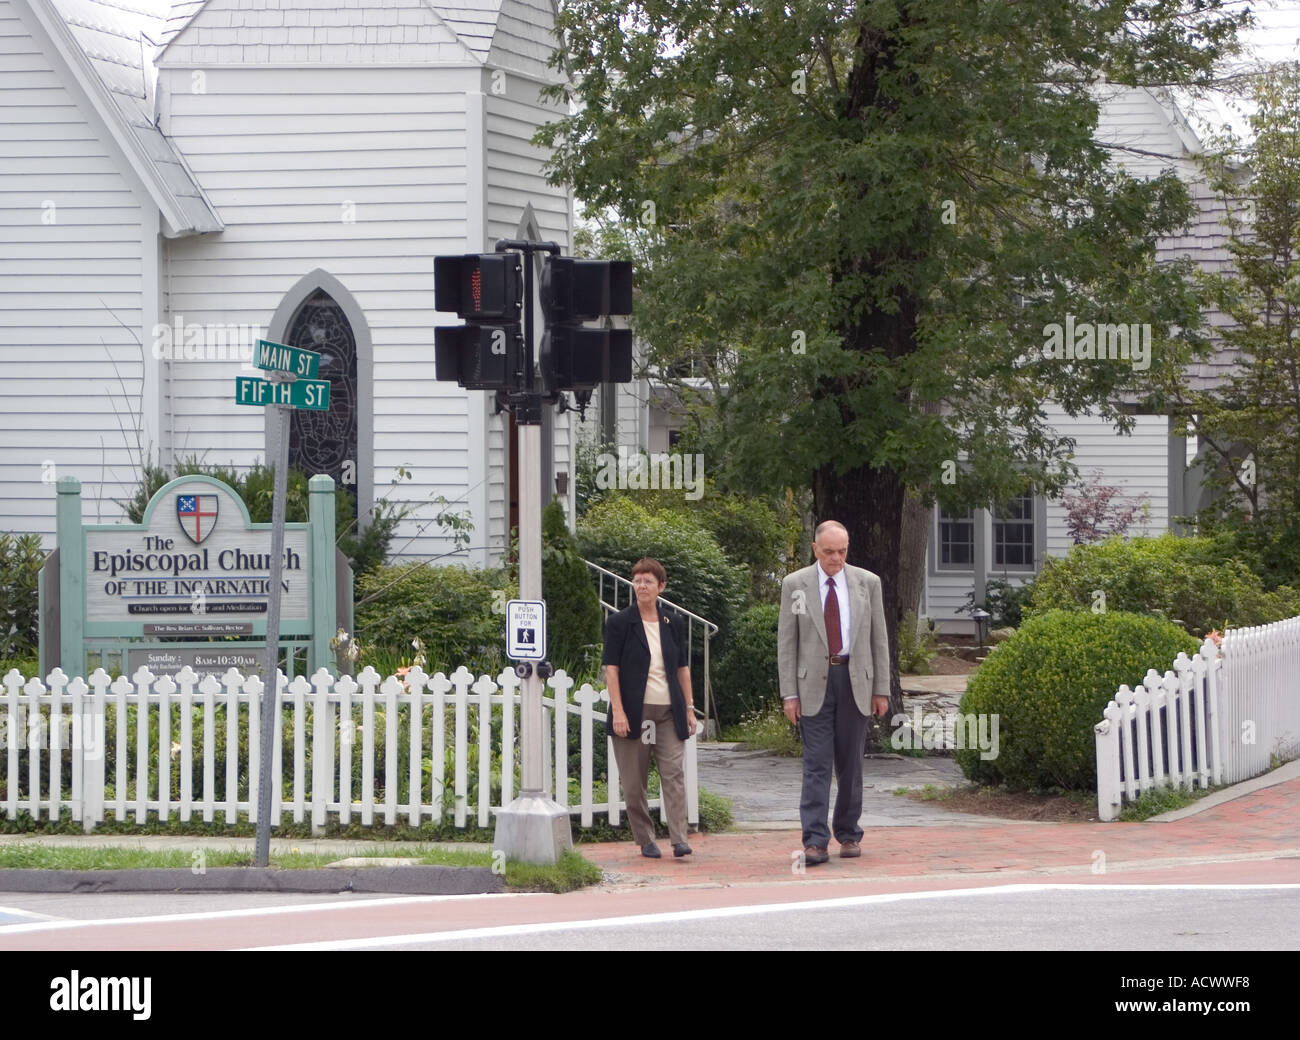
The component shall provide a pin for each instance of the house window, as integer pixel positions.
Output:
(1013, 534)
(957, 541)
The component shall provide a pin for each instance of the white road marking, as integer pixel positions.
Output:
(498, 931)
(256, 911)
(13, 911)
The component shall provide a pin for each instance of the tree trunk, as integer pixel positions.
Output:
(869, 503)
(914, 540)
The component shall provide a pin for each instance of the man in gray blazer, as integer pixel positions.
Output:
(833, 659)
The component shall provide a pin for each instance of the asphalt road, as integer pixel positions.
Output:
(1242, 905)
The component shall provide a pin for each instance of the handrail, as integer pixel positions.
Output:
(618, 582)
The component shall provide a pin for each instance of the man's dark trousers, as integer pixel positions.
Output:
(834, 734)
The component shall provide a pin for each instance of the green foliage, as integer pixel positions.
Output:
(618, 531)
(1188, 580)
(587, 465)
(1048, 685)
(1159, 800)
(745, 677)
(916, 648)
(1247, 423)
(571, 872)
(838, 216)
(715, 812)
(1004, 600)
(767, 729)
(21, 558)
(573, 615)
(456, 612)
(754, 533)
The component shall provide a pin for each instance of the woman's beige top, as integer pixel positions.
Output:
(656, 683)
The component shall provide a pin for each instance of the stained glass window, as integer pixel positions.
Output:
(322, 442)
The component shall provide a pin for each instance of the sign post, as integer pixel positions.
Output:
(285, 364)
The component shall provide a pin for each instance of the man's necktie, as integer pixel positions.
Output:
(832, 614)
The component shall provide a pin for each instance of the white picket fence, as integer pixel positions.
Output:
(1216, 718)
(62, 723)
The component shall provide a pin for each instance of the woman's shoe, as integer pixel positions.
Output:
(651, 851)
(681, 849)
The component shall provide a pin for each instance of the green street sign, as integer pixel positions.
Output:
(276, 357)
(312, 394)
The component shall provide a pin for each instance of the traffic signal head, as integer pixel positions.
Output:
(486, 353)
(576, 358)
(479, 357)
(580, 290)
(478, 286)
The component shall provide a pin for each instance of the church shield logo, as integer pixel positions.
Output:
(197, 515)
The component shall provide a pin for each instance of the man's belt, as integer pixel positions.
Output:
(840, 659)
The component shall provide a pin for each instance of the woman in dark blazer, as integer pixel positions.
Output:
(649, 683)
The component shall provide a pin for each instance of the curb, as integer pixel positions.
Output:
(429, 880)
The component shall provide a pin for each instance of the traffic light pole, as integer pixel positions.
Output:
(533, 828)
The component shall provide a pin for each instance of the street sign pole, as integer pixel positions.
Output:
(292, 384)
(278, 416)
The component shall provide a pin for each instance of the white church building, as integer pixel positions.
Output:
(180, 180)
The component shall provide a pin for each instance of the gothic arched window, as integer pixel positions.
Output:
(323, 442)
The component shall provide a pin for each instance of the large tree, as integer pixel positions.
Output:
(859, 218)
(1251, 423)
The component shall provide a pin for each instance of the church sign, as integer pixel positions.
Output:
(197, 570)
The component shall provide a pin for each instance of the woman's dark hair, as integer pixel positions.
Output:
(649, 566)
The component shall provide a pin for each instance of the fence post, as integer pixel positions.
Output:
(1106, 734)
(95, 754)
(415, 680)
(509, 683)
(560, 684)
(322, 747)
(485, 688)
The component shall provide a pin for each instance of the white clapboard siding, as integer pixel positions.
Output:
(1136, 463)
(44, 722)
(367, 189)
(1226, 714)
(71, 278)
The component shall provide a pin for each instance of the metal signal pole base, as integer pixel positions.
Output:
(533, 829)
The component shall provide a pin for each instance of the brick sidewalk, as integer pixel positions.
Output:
(1262, 824)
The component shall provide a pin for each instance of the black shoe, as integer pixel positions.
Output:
(651, 851)
(681, 849)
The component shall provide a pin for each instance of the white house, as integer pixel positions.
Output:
(180, 180)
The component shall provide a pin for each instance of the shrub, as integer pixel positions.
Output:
(745, 678)
(573, 614)
(456, 612)
(617, 532)
(1004, 600)
(21, 558)
(1048, 685)
(915, 648)
(1188, 580)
